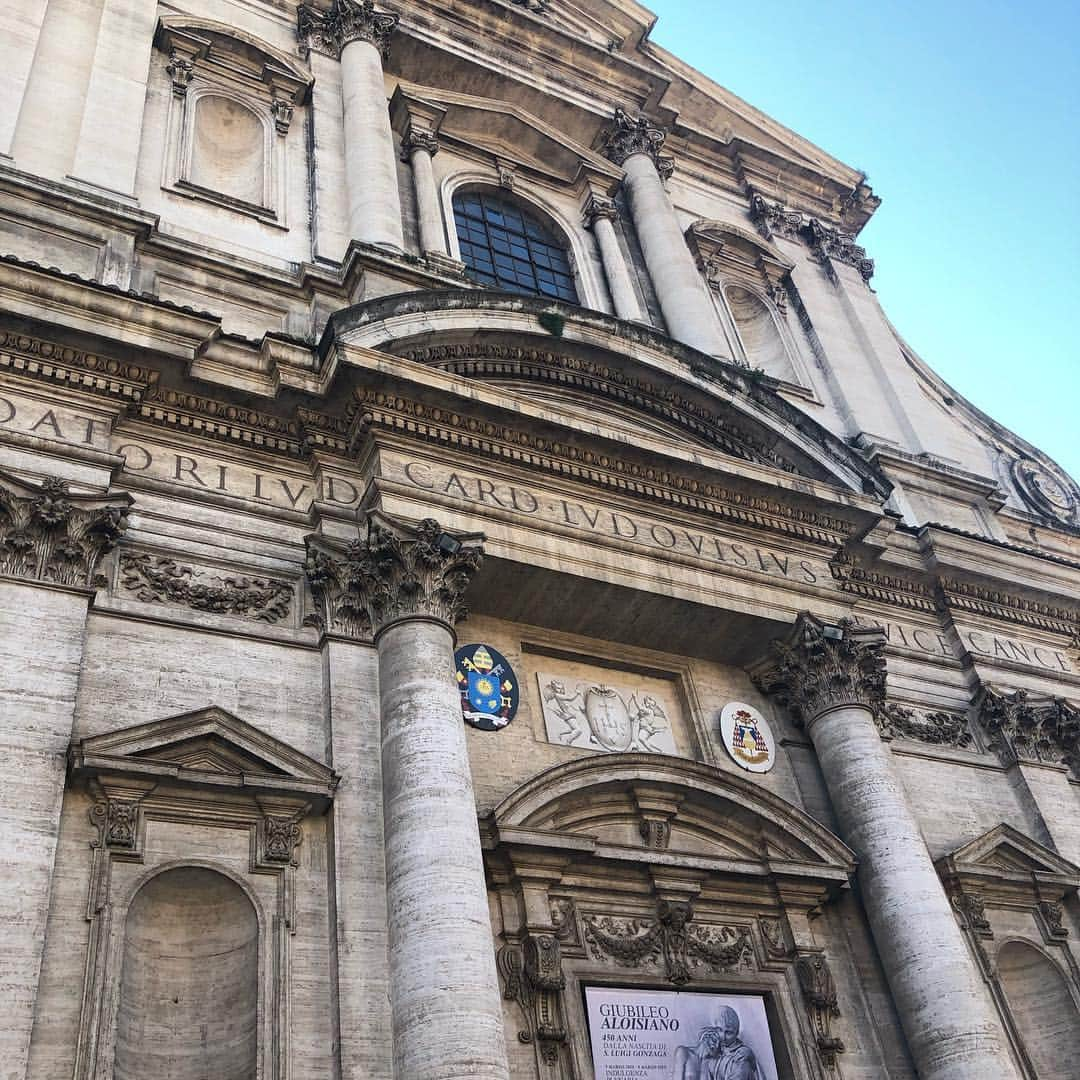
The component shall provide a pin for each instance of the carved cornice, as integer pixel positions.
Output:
(826, 243)
(884, 588)
(48, 534)
(21, 354)
(495, 361)
(438, 425)
(221, 420)
(346, 21)
(1008, 607)
(939, 728)
(599, 206)
(630, 135)
(160, 579)
(1030, 728)
(403, 572)
(826, 666)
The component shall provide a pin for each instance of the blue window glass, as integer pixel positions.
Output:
(505, 246)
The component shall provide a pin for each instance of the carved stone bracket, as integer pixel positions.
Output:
(160, 579)
(532, 976)
(939, 728)
(1026, 728)
(970, 906)
(1051, 915)
(632, 942)
(819, 992)
(48, 534)
(399, 572)
(416, 138)
(281, 836)
(117, 823)
(824, 666)
(346, 21)
(630, 135)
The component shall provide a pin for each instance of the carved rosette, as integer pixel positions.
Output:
(398, 572)
(346, 21)
(48, 534)
(827, 666)
(629, 135)
(819, 992)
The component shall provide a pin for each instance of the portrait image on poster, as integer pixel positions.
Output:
(673, 1035)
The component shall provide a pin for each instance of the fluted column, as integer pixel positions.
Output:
(418, 148)
(831, 678)
(50, 544)
(687, 307)
(359, 36)
(444, 995)
(600, 215)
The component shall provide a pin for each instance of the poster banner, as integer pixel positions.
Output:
(672, 1035)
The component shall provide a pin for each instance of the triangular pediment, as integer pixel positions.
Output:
(200, 747)
(1005, 850)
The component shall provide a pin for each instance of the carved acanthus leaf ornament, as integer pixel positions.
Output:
(629, 135)
(399, 572)
(825, 666)
(345, 22)
(48, 534)
(1025, 727)
(819, 992)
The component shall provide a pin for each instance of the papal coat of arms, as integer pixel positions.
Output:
(599, 716)
(488, 686)
(747, 737)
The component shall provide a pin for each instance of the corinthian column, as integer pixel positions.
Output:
(832, 678)
(50, 544)
(688, 309)
(358, 35)
(444, 995)
(600, 215)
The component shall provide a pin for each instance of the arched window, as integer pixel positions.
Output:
(189, 980)
(504, 245)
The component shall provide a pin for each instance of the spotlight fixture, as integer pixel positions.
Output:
(447, 544)
(832, 633)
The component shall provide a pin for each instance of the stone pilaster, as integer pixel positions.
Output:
(51, 542)
(600, 215)
(445, 1000)
(832, 677)
(688, 310)
(359, 36)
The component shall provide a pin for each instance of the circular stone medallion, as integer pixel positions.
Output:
(747, 737)
(488, 687)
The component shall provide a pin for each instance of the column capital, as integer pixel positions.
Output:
(629, 135)
(599, 206)
(48, 534)
(824, 666)
(406, 571)
(416, 138)
(345, 21)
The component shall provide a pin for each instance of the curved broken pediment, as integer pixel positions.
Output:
(620, 803)
(621, 368)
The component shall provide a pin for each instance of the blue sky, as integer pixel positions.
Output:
(965, 116)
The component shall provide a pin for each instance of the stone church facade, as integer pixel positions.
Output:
(758, 753)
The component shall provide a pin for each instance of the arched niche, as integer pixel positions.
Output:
(1043, 1010)
(760, 336)
(228, 148)
(189, 999)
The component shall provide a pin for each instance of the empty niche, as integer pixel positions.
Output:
(228, 149)
(1043, 1010)
(759, 333)
(189, 980)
